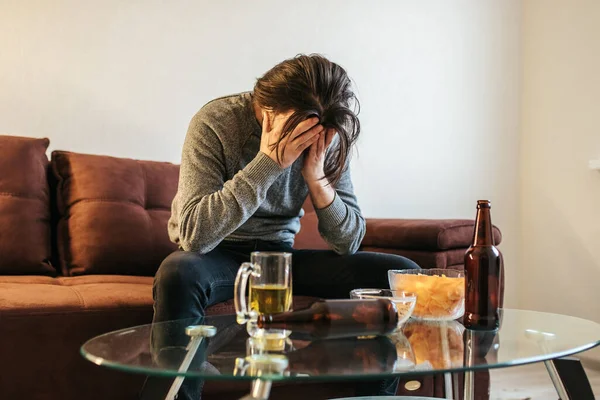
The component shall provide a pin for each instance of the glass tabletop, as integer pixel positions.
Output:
(418, 347)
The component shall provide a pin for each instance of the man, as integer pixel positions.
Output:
(249, 161)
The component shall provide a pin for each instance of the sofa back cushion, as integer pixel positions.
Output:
(113, 213)
(24, 207)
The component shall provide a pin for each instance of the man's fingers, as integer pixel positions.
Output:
(312, 151)
(309, 142)
(265, 122)
(304, 127)
(275, 122)
(321, 143)
(268, 122)
(308, 135)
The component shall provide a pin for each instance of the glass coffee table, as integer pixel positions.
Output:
(217, 348)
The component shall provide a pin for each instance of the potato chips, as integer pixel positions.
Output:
(439, 297)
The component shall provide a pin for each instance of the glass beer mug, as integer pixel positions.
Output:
(269, 277)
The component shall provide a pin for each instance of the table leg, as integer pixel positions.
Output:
(456, 386)
(196, 333)
(448, 386)
(469, 390)
(560, 388)
(469, 385)
(261, 390)
(569, 379)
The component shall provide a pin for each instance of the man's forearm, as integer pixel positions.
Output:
(321, 193)
(205, 220)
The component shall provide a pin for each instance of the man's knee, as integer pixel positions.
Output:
(403, 262)
(179, 271)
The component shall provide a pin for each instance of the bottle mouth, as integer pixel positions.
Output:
(484, 204)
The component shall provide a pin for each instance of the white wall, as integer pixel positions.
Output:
(438, 81)
(560, 203)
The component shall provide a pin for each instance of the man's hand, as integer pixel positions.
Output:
(290, 147)
(321, 192)
(314, 160)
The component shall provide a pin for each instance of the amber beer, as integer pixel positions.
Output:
(270, 299)
(484, 275)
(336, 319)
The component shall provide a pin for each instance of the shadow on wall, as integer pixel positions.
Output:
(559, 272)
(119, 121)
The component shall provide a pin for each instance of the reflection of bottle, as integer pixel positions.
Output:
(336, 318)
(481, 349)
(345, 356)
(484, 275)
(483, 346)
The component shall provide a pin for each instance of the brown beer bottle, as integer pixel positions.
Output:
(484, 275)
(336, 318)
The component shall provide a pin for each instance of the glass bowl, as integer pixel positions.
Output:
(404, 301)
(440, 292)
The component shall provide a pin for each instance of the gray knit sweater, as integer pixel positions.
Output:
(229, 190)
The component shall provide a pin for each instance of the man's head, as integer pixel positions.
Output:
(311, 85)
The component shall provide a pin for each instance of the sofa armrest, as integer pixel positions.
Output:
(421, 234)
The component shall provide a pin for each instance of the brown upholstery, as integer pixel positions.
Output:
(44, 321)
(113, 213)
(41, 350)
(429, 243)
(24, 207)
(37, 295)
(422, 234)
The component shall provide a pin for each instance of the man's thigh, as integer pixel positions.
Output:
(323, 273)
(185, 277)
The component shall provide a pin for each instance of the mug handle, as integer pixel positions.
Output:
(241, 365)
(243, 314)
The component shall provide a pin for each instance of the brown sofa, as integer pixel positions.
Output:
(81, 237)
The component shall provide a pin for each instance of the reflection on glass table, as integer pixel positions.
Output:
(225, 352)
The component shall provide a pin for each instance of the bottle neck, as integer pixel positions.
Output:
(484, 235)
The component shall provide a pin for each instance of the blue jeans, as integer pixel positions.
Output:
(187, 283)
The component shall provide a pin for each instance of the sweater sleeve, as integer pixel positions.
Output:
(209, 207)
(341, 223)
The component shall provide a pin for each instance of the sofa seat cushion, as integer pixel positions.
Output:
(36, 295)
(113, 213)
(24, 207)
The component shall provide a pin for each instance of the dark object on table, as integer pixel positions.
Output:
(484, 274)
(336, 318)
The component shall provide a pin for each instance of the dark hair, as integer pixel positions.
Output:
(311, 85)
